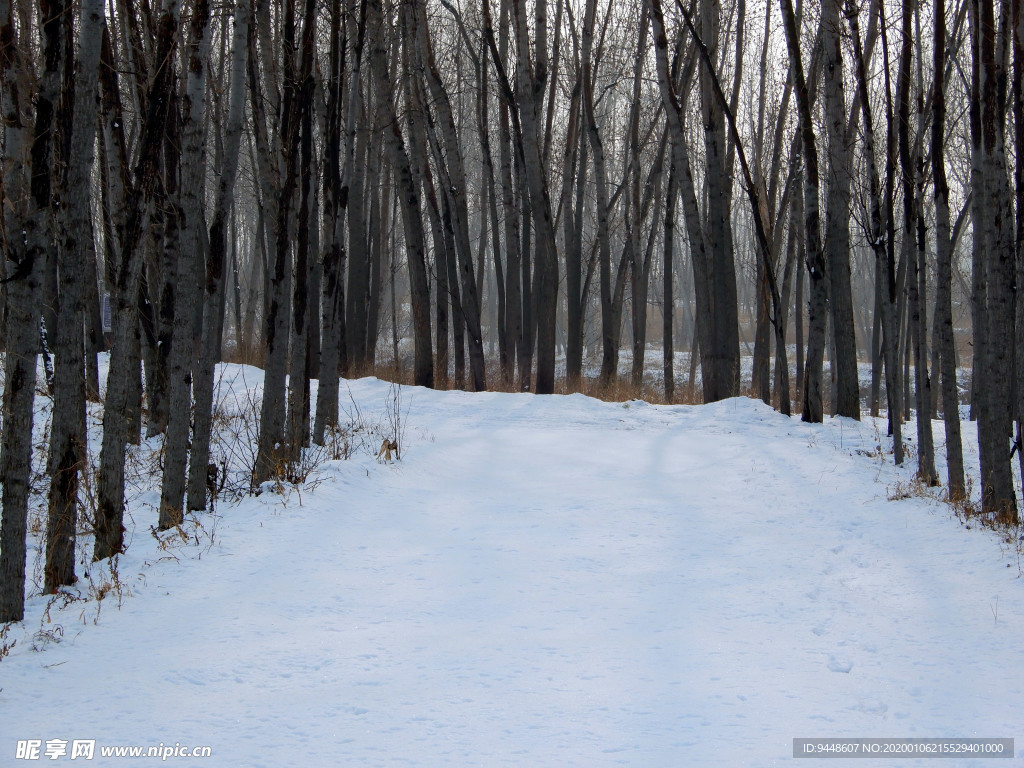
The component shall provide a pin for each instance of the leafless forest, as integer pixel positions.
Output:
(503, 194)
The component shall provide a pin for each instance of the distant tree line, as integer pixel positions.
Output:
(486, 190)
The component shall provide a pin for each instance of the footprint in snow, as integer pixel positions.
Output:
(839, 665)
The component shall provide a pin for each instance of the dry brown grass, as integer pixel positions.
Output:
(254, 354)
(619, 390)
(392, 372)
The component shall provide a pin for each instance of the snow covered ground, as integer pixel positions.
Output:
(542, 582)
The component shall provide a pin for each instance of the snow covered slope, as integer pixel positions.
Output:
(544, 582)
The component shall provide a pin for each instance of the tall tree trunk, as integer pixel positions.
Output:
(760, 377)
(926, 453)
(273, 451)
(790, 270)
(640, 272)
(725, 341)
(213, 285)
(161, 280)
(699, 259)
(1018, 131)
(884, 268)
(754, 197)
(380, 224)
(813, 406)
(181, 359)
(667, 297)
(47, 158)
(511, 213)
(423, 178)
(506, 346)
(297, 428)
(837, 217)
(875, 395)
(574, 177)
(454, 175)
(994, 236)
(531, 79)
(454, 295)
(609, 329)
(796, 222)
(512, 222)
(423, 373)
(67, 435)
(333, 324)
(358, 256)
(895, 384)
(93, 318)
(110, 492)
(21, 271)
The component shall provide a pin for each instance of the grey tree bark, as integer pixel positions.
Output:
(358, 257)
(48, 159)
(994, 255)
(641, 263)
(506, 344)
(21, 270)
(273, 450)
(445, 294)
(423, 367)
(182, 356)
(757, 206)
(837, 216)
(110, 491)
(884, 267)
(454, 175)
(519, 352)
(67, 435)
(530, 81)
(676, 112)
(297, 428)
(818, 306)
(337, 179)
(724, 353)
(926, 452)
(609, 322)
(1017, 20)
(667, 293)
(213, 285)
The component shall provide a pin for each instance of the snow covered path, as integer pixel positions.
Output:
(550, 582)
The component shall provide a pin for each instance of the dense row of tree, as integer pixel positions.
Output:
(461, 175)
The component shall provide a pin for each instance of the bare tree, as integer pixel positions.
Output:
(926, 451)
(1017, 95)
(423, 373)
(725, 343)
(181, 358)
(274, 451)
(837, 216)
(337, 179)
(532, 73)
(451, 166)
(67, 435)
(213, 285)
(993, 265)
(21, 270)
(812, 387)
(884, 265)
(110, 491)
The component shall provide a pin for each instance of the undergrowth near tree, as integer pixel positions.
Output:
(102, 584)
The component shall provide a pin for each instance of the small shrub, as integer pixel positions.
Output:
(6, 646)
